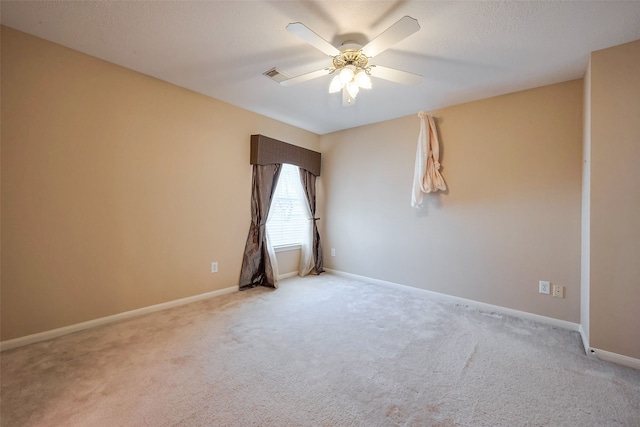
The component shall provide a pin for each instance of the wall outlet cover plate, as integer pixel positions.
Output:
(558, 291)
(544, 287)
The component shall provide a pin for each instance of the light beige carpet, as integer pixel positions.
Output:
(319, 351)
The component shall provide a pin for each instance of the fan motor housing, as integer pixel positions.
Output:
(351, 55)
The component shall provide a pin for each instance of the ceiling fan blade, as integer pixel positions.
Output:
(303, 32)
(394, 75)
(392, 35)
(305, 77)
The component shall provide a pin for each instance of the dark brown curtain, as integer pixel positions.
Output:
(309, 184)
(256, 263)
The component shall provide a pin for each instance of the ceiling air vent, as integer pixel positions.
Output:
(276, 75)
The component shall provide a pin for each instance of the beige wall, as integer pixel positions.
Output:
(615, 200)
(510, 218)
(118, 190)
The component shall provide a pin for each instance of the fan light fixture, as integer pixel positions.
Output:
(351, 68)
(352, 73)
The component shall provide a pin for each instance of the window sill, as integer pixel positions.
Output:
(286, 248)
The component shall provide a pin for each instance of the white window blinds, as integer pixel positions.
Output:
(288, 214)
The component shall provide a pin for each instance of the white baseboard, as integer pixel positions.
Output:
(54, 333)
(607, 355)
(287, 275)
(615, 358)
(471, 303)
(585, 341)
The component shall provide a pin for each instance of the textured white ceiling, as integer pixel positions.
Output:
(465, 50)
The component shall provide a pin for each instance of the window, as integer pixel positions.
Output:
(288, 216)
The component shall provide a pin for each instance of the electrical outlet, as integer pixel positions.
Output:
(558, 291)
(214, 267)
(333, 252)
(543, 287)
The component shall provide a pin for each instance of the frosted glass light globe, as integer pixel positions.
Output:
(363, 80)
(347, 73)
(353, 89)
(336, 84)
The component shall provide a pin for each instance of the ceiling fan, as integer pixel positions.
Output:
(351, 60)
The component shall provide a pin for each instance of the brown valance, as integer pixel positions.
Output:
(266, 151)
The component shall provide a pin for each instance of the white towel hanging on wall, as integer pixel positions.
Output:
(426, 177)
